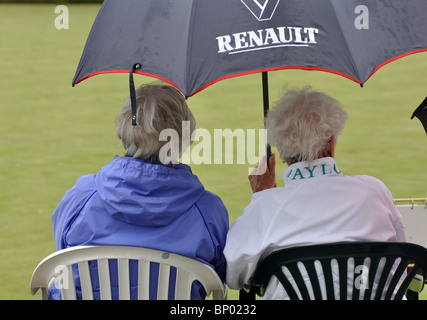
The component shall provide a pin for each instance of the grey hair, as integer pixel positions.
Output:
(302, 124)
(158, 107)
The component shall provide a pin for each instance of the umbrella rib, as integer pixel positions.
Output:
(353, 62)
(189, 43)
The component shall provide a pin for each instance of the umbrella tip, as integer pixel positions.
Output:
(361, 85)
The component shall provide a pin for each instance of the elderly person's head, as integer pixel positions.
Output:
(304, 125)
(158, 107)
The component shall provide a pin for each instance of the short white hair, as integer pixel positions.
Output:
(158, 107)
(302, 124)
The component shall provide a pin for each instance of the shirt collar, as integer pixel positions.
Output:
(303, 171)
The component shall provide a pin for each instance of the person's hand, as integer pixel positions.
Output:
(263, 177)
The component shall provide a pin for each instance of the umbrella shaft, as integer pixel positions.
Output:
(265, 93)
(266, 103)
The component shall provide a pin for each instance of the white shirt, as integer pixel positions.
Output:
(317, 205)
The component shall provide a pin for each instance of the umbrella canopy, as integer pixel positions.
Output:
(194, 43)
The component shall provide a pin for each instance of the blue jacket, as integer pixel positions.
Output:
(136, 203)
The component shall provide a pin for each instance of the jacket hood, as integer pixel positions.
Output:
(146, 194)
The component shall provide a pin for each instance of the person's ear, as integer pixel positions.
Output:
(331, 148)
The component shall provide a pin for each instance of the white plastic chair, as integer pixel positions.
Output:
(59, 265)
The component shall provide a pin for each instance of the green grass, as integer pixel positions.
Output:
(52, 133)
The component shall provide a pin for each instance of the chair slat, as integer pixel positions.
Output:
(143, 280)
(373, 268)
(385, 273)
(314, 279)
(85, 280)
(286, 285)
(329, 282)
(68, 288)
(343, 275)
(360, 279)
(104, 279)
(163, 283)
(299, 280)
(395, 280)
(124, 281)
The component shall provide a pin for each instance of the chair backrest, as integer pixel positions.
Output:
(364, 270)
(59, 265)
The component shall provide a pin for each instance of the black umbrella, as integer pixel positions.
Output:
(421, 113)
(192, 44)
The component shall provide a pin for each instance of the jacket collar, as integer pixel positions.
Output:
(304, 171)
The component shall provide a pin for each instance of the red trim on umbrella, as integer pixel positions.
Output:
(127, 71)
(314, 69)
(393, 59)
(256, 71)
(275, 69)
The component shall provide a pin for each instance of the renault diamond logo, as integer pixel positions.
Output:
(263, 10)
